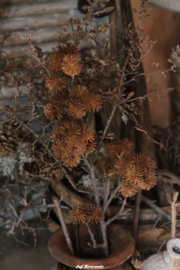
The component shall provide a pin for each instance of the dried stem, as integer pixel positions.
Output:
(104, 235)
(93, 179)
(92, 236)
(106, 128)
(106, 188)
(112, 195)
(173, 207)
(108, 122)
(77, 239)
(97, 201)
(136, 216)
(170, 175)
(63, 224)
(156, 208)
(118, 214)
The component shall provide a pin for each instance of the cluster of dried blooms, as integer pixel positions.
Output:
(87, 213)
(137, 171)
(70, 101)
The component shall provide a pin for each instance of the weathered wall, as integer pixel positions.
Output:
(163, 26)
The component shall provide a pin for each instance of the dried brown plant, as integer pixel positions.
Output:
(74, 87)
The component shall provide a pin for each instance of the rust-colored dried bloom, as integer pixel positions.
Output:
(55, 63)
(122, 164)
(76, 146)
(66, 128)
(50, 112)
(56, 59)
(56, 81)
(132, 173)
(138, 169)
(77, 215)
(93, 102)
(79, 91)
(147, 166)
(71, 64)
(90, 147)
(128, 189)
(120, 148)
(77, 105)
(112, 149)
(67, 142)
(76, 108)
(71, 160)
(126, 147)
(59, 148)
(147, 182)
(56, 108)
(70, 48)
(93, 212)
(125, 166)
(104, 166)
(87, 134)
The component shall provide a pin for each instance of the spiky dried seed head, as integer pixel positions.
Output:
(56, 81)
(71, 64)
(128, 189)
(77, 215)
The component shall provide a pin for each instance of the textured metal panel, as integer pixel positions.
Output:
(43, 20)
(34, 8)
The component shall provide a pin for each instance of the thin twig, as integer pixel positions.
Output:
(51, 154)
(136, 216)
(118, 214)
(106, 188)
(170, 175)
(93, 180)
(112, 195)
(77, 239)
(156, 222)
(63, 224)
(20, 242)
(106, 128)
(173, 207)
(155, 207)
(92, 236)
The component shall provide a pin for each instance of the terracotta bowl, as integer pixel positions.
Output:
(121, 247)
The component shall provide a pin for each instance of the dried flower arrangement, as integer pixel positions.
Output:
(73, 88)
